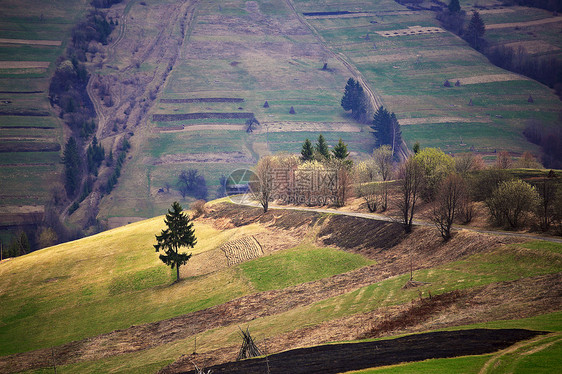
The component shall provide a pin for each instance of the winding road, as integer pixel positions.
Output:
(379, 217)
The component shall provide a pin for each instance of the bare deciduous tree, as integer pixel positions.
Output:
(447, 203)
(365, 175)
(411, 179)
(383, 160)
(503, 161)
(547, 189)
(262, 182)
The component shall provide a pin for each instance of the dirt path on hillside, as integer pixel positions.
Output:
(376, 100)
(380, 217)
(131, 93)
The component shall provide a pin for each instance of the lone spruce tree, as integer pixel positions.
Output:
(475, 31)
(180, 233)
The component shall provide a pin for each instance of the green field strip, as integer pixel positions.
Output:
(514, 14)
(26, 185)
(28, 122)
(29, 53)
(195, 142)
(30, 158)
(482, 136)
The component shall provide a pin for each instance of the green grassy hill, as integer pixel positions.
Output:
(301, 292)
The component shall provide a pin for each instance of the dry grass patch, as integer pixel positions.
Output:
(489, 78)
(31, 42)
(241, 250)
(524, 24)
(203, 127)
(24, 64)
(533, 46)
(225, 157)
(307, 126)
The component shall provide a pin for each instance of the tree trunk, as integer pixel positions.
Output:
(178, 273)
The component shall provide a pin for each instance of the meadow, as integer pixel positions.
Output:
(114, 280)
(92, 282)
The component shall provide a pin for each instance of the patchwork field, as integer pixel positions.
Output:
(33, 37)
(183, 87)
(408, 69)
(238, 55)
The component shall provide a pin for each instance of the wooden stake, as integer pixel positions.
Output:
(54, 361)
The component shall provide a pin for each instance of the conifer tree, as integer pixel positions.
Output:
(307, 151)
(180, 233)
(348, 95)
(475, 30)
(354, 99)
(387, 129)
(396, 133)
(340, 151)
(322, 147)
(454, 6)
(72, 166)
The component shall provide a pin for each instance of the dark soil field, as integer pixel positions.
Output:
(338, 358)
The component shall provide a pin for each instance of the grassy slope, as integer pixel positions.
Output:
(114, 280)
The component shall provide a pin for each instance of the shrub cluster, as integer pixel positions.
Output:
(122, 154)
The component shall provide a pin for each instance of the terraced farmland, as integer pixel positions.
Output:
(33, 36)
(238, 55)
(408, 69)
(184, 88)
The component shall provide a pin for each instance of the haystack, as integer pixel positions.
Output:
(249, 348)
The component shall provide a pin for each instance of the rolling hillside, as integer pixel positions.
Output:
(107, 304)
